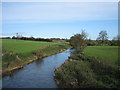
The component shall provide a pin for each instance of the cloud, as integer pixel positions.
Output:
(50, 12)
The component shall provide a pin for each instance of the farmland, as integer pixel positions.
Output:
(105, 52)
(21, 46)
(19, 52)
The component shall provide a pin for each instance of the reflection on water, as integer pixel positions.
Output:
(39, 74)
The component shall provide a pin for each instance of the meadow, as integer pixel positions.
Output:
(22, 46)
(17, 53)
(105, 52)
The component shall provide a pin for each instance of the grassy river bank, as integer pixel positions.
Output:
(97, 67)
(18, 53)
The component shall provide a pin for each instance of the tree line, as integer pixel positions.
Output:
(80, 41)
(102, 40)
(35, 39)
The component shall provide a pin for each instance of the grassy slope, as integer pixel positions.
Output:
(27, 51)
(106, 52)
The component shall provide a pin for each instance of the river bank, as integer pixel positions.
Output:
(39, 54)
(38, 74)
(82, 71)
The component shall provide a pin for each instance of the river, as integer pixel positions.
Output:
(39, 74)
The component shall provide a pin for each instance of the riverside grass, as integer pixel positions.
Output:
(97, 67)
(17, 53)
(105, 52)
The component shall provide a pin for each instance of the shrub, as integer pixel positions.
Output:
(88, 72)
(75, 74)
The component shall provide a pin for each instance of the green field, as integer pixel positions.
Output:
(106, 52)
(22, 46)
(19, 52)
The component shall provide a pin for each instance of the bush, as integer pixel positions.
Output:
(87, 72)
(75, 74)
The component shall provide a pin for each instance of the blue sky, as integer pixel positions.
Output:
(59, 19)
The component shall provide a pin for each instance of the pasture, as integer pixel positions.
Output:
(106, 52)
(22, 46)
(20, 52)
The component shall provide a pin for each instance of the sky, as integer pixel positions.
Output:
(59, 19)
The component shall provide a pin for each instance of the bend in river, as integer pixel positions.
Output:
(39, 74)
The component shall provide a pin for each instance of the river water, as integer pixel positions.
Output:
(39, 74)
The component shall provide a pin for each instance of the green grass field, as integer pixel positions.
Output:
(19, 52)
(22, 46)
(106, 52)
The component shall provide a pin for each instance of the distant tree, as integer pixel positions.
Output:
(115, 41)
(6, 37)
(103, 37)
(78, 41)
(17, 34)
(89, 42)
(31, 37)
(13, 37)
